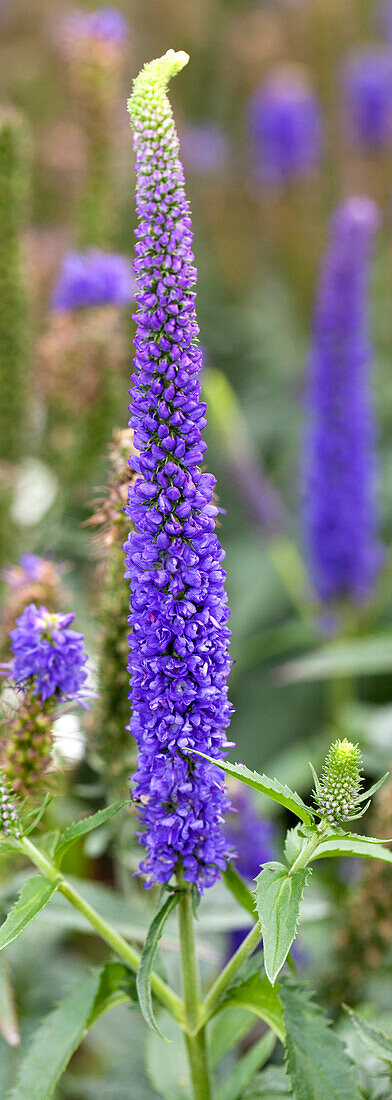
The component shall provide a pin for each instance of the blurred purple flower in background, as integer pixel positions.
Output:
(367, 97)
(339, 453)
(205, 147)
(31, 567)
(93, 278)
(253, 841)
(285, 126)
(106, 25)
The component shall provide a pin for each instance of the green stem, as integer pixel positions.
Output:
(195, 1038)
(128, 954)
(231, 969)
(307, 851)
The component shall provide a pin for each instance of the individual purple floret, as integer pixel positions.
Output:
(285, 127)
(48, 656)
(339, 458)
(205, 147)
(179, 660)
(93, 278)
(367, 94)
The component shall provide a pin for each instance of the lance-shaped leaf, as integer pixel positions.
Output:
(377, 1042)
(316, 1061)
(351, 845)
(80, 828)
(143, 977)
(54, 1043)
(246, 1068)
(279, 792)
(359, 657)
(34, 896)
(278, 897)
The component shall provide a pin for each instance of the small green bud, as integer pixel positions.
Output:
(339, 786)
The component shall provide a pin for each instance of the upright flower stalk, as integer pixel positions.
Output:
(179, 659)
(339, 461)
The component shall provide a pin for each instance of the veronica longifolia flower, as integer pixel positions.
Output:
(179, 657)
(367, 95)
(285, 126)
(93, 278)
(48, 656)
(339, 460)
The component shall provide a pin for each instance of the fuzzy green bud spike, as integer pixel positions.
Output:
(9, 816)
(339, 788)
(149, 88)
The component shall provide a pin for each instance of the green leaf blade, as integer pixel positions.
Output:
(54, 1043)
(279, 792)
(34, 896)
(239, 888)
(143, 977)
(374, 1039)
(81, 828)
(256, 994)
(278, 898)
(353, 846)
(316, 1061)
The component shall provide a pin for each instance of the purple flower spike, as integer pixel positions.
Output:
(179, 660)
(48, 655)
(93, 278)
(285, 127)
(339, 467)
(106, 25)
(367, 92)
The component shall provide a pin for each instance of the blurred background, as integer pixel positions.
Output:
(284, 110)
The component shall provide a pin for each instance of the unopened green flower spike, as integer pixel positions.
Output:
(338, 790)
(9, 815)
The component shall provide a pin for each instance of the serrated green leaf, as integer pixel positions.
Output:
(374, 1039)
(143, 977)
(278, 897)
(80, 828)
(359, 657)
(32, 819)
(246, 1068)
(293, 845)
(54, 1043)
(239, 888)
(257, 995)
(279, 792)
(33, 897)
(316, 1061)
(9, 1027)
(345, 846)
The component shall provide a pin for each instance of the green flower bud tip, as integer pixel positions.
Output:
(9, 817)
(151, 84)
(339, 787)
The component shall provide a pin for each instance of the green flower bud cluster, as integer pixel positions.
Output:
(25, 748)
(9, 817)
(339, 787)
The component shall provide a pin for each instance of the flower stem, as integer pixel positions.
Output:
(231, 969)
(195, 1038)
(309, 848)
(128, 954)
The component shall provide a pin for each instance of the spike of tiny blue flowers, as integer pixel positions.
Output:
(339, 454)
(9, 815)
(179, 660)
(48, 656)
